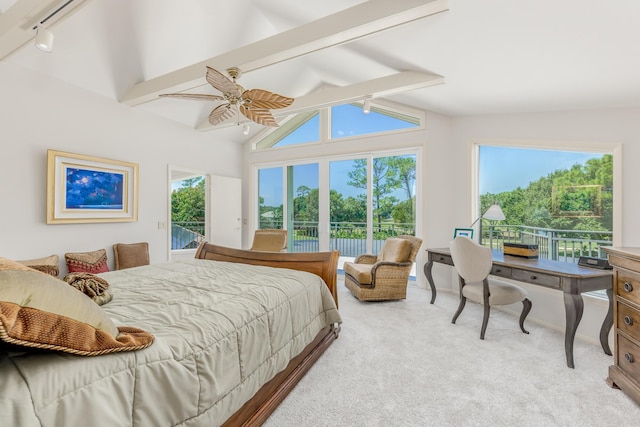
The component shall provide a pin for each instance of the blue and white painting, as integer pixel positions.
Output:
(94, 189)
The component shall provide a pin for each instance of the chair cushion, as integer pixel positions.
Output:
(127, 255)
(269, 240)
(360, 272)
(501, 292)
(395, 250)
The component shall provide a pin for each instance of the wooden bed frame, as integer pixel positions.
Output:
(325, 264)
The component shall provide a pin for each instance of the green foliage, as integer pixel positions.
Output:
(188, 201)
(534, 206)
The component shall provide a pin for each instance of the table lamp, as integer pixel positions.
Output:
(493, 213)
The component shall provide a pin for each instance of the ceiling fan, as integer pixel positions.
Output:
(254, 104)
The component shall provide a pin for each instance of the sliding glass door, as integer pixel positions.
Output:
(351, 205)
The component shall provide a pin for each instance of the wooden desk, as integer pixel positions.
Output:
(569, 278)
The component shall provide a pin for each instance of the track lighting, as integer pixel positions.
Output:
(366, 106)
(44, 39)
(246, 128)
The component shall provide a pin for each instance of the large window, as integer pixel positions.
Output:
(560, 200)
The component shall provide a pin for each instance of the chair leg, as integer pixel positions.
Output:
(526, 308)
(463, 300)
(485, 320)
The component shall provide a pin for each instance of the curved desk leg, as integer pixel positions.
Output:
(573, 307)
(606, 325)
(427, 272)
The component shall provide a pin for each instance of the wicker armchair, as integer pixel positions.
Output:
(270, 240)
(385, 276)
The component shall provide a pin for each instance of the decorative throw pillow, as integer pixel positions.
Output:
(47, 265)
(87, 262)
(127, 255)
(91, 285)
(395, 250)
(40, 311)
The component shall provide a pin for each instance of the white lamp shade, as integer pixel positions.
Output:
(494, 213)
(44, 39)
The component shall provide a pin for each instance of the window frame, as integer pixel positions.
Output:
(615, 149)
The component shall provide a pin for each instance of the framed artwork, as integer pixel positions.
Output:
(84, 189)
(464, 232)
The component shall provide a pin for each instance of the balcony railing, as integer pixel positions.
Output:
(347, 237)
(350, 238)
(187, 234)
(559, 245)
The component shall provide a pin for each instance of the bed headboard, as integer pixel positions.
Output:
(324, 264)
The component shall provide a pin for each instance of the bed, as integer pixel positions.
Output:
(234, 332)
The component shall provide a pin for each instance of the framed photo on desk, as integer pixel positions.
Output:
(464, 232)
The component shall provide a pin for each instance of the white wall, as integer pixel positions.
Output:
(39, 113)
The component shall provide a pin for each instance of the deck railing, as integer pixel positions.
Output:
(350, 238)
(559, 245)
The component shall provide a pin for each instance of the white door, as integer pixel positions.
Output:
(225, 210)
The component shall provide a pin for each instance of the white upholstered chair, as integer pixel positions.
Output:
(473, 263)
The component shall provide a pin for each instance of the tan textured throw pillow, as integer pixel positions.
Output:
(395, 250)
(87, 262)
(47, 265)
(40, 311)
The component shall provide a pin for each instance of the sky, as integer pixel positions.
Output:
(501, 168)
(505, 168)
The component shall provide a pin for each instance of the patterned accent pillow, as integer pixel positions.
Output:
(40, 311)
(47, 265)
(87, 262)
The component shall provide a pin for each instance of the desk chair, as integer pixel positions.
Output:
(473, 263)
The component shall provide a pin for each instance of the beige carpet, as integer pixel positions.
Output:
(403, 363)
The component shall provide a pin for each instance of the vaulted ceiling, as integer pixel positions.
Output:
(454, 57)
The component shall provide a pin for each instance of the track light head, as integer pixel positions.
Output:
(366, 106)
(44, 39)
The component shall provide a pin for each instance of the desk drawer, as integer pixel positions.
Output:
(442, 259)
(628, 355)
(536, 278)
(628, 286)
(501, 271)
(628, 321)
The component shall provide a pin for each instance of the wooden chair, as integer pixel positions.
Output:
(385, 276)
(127, 255)
(473, 263)
(270, 240)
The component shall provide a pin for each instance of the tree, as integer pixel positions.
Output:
(384, 178)
(188, 201)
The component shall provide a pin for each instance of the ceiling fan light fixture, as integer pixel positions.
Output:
(246, 129)
(44, 39)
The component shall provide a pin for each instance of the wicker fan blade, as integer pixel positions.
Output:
(222, 82)
(259, 115)
(198, 96)
(262, 99)
(221, 113)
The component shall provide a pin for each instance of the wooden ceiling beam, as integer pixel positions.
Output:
(376, 88)
(339, 28)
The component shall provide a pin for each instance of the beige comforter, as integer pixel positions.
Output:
(222, 330)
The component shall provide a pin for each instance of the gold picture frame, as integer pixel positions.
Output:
(87, 189)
